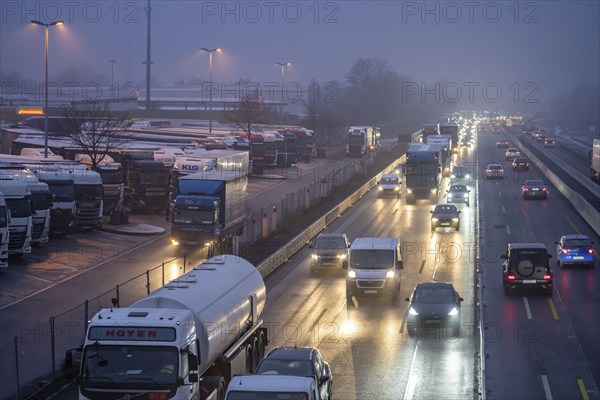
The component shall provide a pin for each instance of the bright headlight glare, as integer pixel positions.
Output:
(434, 219)
(314, 256)
(453, 176)
(412, 311)
(174, 242)
(466, 194)
(409, 190)
(455, 219)
(341, 256)
(390, 274)
(454, 311)
(351, 274)
(434, 190)
(467, 176)
(449, 194)
(397, 188)
(380, 188)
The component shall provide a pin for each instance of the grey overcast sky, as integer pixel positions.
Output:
(554, 44)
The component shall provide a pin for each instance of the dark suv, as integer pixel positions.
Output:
(526, 266)
(329, 250)
(299, 361)
(445, 215)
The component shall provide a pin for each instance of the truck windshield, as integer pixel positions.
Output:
(154, 178)
(3, 217)
(88, 192)
(111, 176)
(372, 259)
(62, 192)
(356, 138)
(19, 208)
(254, 395)
(195, 217)
(41, 201)
(130, 364)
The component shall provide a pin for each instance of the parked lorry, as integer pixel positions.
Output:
(20, 207)
(186, 340)
(428, 129)
(423, 172)
(451, 129)
(41, 198)
(360, 140)
(221, 160)
(88, 199)
(61, 184)
(4, 235)
(209, 210)
(595, 154)
(111, 174)
(146, 181)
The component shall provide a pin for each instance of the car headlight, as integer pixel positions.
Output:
(454, 311)
(174, 242)
(449, 195)
(434, 190)
(351, 274)
(314, 256)
(412, 311)
(397, 188)
(434, 219)
(452, 176)
(455, 219)
(341, 256)
(466, 195)
(408, 190)
(390, 274)
(466, 176)
(380, 188)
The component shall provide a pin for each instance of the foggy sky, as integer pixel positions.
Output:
(535, 48)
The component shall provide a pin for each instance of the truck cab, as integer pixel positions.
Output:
(4, 235)
(244, 387)
(62, 210)
(374, 268)
(88, 199)
(20, 206)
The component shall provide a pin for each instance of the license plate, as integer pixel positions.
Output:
(535, 189)
(529, 281)
(370, 291)
(445, 224)
(577, 257)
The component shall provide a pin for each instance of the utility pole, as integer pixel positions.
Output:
(148, 61)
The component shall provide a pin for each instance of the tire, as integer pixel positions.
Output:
(209, 384)
(261, 345)
(255, 358)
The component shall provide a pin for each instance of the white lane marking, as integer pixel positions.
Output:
(503, 210)
(527, 309)
(409, 392)
(546, 387)
(499, 194)
(508, 229)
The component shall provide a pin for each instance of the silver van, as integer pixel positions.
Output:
(374, 268)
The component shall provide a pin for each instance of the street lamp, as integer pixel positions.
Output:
(46, 26)
(282, 65)
(210, 51)
(112, 78)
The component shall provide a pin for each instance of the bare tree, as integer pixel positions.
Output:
(250, 112)
(95, 129)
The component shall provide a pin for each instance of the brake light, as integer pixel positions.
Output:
(564, 251)
(543, 189)
(526, 189)
(590, 250)
(547, 277)
(511, 277)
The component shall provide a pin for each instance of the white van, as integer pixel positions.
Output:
(243, 387)
(374, 268)
(4, 236)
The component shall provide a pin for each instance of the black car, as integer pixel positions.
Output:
(329, 250)
(458, 194)
(445, 215)
(534, 188)
(434, 304)
(526, 266)
(520, 164)
(299, 361)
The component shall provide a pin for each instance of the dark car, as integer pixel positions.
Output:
(520, 164)
(329, 250)
(445, 215)
(534, 188)
(540, 138)
(459, 173)
(575, 250)
(502, 144)
(434, 304)
(299, 361)
(458, 194)
(549, 142)
(526, 267)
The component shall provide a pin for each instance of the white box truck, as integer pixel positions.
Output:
(4, 235)
(374, 268)
(184, 341)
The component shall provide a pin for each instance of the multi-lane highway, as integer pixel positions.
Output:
(537, 347)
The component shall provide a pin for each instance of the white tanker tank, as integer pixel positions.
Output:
(204, 325)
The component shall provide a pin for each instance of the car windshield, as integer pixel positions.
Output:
(389, 181)
(534, 183)
(285, 367)
(494, 167)
(458, 189)
(433, 295)
(445, 209)
(330, 243)
(372, 259)
(577, 242)
(62, 192)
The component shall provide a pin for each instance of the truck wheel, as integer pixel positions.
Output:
(211, 383)
(261, 345)
(255, 358)
(249, 359)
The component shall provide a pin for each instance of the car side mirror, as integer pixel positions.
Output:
(461, 299)
(459, 211)
(310, 246)
(431, 212)
(556, 243)
(324, 378)
(406, 299)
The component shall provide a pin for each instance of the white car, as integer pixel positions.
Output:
(494, 171)
(389, 185)
(512, 153)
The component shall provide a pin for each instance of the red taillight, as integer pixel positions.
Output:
(511, 277)
(526, 189)
(547, 277)
(527, 165)
(564, 251)
(590, 250)
(543, 189)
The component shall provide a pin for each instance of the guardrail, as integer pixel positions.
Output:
(582, 206)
